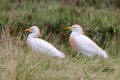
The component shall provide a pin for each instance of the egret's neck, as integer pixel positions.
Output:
(34, 35)
(77, 33)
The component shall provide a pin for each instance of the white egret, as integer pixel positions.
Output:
(81, 43)
(40, 45)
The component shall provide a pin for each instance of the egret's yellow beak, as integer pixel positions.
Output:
(68, 28)
(27, 29)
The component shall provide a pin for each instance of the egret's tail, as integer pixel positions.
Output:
(104, 54)
(60, 54)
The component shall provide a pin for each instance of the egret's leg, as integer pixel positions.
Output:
(78, 54)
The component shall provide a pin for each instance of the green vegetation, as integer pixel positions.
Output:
(100, 20)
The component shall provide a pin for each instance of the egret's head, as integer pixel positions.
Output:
(32, 29)
(76, 28)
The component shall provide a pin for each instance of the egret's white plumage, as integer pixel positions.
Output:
(40, 45)
(83, 44)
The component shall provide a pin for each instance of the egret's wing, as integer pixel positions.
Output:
(44, 44)
(48, 48)
(45, 47)
(85, 44)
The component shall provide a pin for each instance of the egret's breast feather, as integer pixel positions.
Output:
(73, 43)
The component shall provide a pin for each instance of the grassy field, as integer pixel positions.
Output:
(100, 21)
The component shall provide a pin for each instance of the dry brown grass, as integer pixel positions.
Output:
(17, 62)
